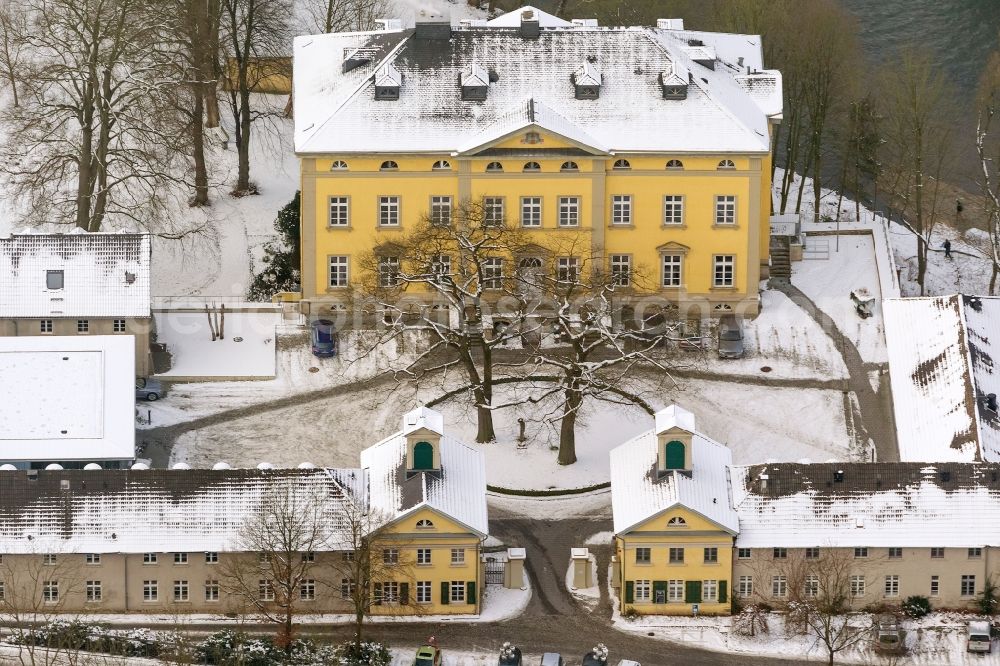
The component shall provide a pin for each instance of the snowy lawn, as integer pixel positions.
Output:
(246, 350)
(753, 421)
(829, 282)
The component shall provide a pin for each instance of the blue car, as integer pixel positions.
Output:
(324, 338)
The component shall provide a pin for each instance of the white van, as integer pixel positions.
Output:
(979, 636)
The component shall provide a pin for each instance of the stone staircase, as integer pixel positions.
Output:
(781, 263)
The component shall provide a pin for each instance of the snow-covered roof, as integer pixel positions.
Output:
(423, 418)
(336, 111)
(639, 493)
(457, 490)
(674, 416)
(133, 511)
(941, 370)
(874, 504)
(67, 398)
(475, 75)
(513, 19)
(103, 275)
(388, 75)
(587, 75)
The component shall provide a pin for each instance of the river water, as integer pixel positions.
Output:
(960, 34)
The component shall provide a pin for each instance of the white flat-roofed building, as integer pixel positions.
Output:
(68, 400)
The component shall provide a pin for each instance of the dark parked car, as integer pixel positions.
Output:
(324, 338)
(552, 659)
(730, 337)
(148, 389)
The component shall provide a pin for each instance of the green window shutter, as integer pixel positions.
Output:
(445, 593)
(674, 455)
(692, 592)
(404, 593)
(470, 592)
(659, 586)
(722, 591)
(629, 592)
(423, 455)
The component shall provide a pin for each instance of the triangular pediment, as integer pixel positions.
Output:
(673, 247)
(532, 125)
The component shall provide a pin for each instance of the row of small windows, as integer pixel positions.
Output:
(497, 167)
(858, 586)
(676, 591)
(82, 326)
(567, 270)
(860, 552)
(569, 207)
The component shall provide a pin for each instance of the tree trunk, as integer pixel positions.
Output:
(921, 262)
(484, 414)
(198, 144)
(567, 429)
(243, 142)
(993, 279)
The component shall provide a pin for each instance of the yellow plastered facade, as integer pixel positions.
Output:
(595, 181)
(659, 536)
(441, 538)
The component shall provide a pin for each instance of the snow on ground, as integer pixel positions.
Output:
(588, 596)
(829, 283)
(247, 349)
(332, 431)
(600, 539)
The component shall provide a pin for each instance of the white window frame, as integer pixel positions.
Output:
(860, 552)
(44, 325)
(456, 591)
(643, 591)
(709, 591)
(149, 558)
(180, 558)
(389, 206)
(673, 210)
(94, 591)
(150, 590)
(457, 557)
(811, 586)
(779, 587)
(307, 589)
(423, 591)
(83, 326)
(567, 269)
(390, 556)
(724, 271)
(492, 273)
(710, 554)
(388, 271)
(92, 558)
(965, 582)
(569, 212)
(118, 326)
(621, 210)
(182, 591)
(671, 270)
(338, 270)
(725, 210)
(621, 269)
(743, 553)
(49, 559)
(675, 590)
(211, 557)
(50, 591)
(937, 552)
(859, 586)
(744, 586)
(531, 212)
(423, 557)
(891, 585)
(441, 207)
(265, 590)
(441, 268)
(678, 551)
(493, 211)
(212, 590)
(935, 590)
(339, 211)
(643, 555)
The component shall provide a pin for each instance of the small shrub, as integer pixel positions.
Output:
(630, 613)
(752, 620)
(367, 654)
(916, 606)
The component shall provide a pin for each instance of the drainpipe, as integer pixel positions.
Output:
(125, 557)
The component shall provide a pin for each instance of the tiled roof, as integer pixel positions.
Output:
(133, 511)
(941, 369)
(458, 490)
(637, 494)
(336, 112)
(875, 505)
(104, 275)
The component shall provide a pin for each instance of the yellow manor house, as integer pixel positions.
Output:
(654, 142)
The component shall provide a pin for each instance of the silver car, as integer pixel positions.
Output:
(730, 337)
(148, 389)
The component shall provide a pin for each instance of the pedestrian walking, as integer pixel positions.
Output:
(947, 249)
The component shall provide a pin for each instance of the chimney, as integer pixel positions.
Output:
(670, 24)
(838, 476)
(433, 27)
(991, 402)
(530, 28)
(763, 482)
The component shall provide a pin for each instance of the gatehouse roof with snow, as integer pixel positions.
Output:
(638, 493)
(729, 98)
(942, 367)
(867, 504)
(102, 275)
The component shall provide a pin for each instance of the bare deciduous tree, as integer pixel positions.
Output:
(988, 152)
(13, 30)
(256, 34)
(326, 16)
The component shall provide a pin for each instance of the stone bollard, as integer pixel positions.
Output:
(513, 573)
(582, 576)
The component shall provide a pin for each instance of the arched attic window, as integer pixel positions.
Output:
(675, 164)
(338, 165)
(532, 166)
(423, 456)
(424, 524)
(621, 165)
(442, 165)
(569, 166)
(677, 521)
(727, 164)
(494, 167)
(389, 165)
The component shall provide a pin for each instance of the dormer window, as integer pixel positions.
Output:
(532, 166)
(569, 166)
(475, 83)
(674, 453)
(388, 81)
(621, 165)
(389, 165)
(54, 279)
(338, 165)
(441, 165)
(727, 164)
(587, 81)
(494, 167)
(673, 85)
(422, 429)
(675, 164)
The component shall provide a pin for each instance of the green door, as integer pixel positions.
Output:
(423, 456)
(675, 455)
